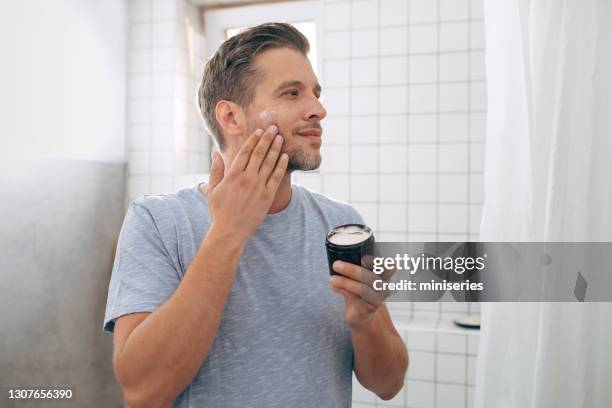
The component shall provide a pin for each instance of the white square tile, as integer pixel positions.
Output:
(139, 137)
(476, 188)
(393, 159)
(336, 101)
(422, 128)
(311, 181)
(451, 368)
(364, 14)
(477, 35)
(139, 111)
(473, 344)
(454, 67)
(422, 68)
(364, 159)
(393, 188)
(364, 43)
(162, 85)
(336, 73)
(453, 158)
(162, 162)
(364, 101)
(369, 213)
(140, 61)
(364, 187)
(422, 11)
(478, 96)
(453, 188)
(360, 393)
(163, 59)
(477, 65)
(393, 129)
(139, 10)
(336, 186)
(164, 33)
(364, 129)
(422, 188)
(391, 237)
(454, 10)
(453, 36)
(450, 396)
(423, 237)
(162, 111)
(164, 9)
(454, 127)
(470, 396)
(393, 99)
(423, 98)
(419, 394)
(421, 366)
(478, 127)
(452, 343)
(451, 309)
(475, 218)
(139, 186)
(394, 40)
(337, 44)
(477, 8)
(162, 137)
(471, 375)
(393, 12)
(420, 340)
(453, 97)
(422, 158)
(424, 38)
(335, 159)
(140, 162)
(477, 156)
(161, 184)
(393, 70)
(422, 217)
(364, 71)
(392, 217)
(335, 130)
(452, 218)
(337, 16)
(140, 35)
(139, 86)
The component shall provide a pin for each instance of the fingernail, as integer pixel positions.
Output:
(259, 132)
(338, 265)
(273, 129)
(278, 139)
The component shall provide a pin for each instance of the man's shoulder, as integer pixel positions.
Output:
(167, 205)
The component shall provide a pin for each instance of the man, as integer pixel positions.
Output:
(220, 294)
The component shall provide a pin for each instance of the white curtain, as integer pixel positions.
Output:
(548, 177)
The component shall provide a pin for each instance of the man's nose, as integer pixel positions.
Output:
(316, 109)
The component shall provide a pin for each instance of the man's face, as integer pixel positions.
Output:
(288, 97)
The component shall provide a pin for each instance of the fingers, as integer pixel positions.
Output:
(216, 171)
(242, 158)
(271, 158)
(358, 289)
(279, 172)
(261, 150)
(355, 272)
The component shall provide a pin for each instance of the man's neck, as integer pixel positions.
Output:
(283, 195)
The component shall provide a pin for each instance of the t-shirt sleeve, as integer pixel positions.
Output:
(143, 275)
(354, 216)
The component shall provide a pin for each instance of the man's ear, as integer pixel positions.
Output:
(230, 117)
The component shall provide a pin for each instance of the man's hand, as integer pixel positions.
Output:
(239, 200)
(361, 300)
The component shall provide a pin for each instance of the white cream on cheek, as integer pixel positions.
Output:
(268, 117)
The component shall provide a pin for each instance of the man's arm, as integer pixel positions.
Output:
(381, 357)
(157, 354)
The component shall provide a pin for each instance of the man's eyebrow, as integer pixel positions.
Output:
(299, 84)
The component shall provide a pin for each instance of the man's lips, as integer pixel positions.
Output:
(312, 132)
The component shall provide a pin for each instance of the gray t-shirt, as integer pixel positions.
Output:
(282, 340)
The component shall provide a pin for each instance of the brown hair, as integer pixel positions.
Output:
(230, 74)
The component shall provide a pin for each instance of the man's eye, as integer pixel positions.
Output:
(293, 92)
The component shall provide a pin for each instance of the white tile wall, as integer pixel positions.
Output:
(168, 146)
(404, 83)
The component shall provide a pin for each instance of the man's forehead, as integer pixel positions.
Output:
(279, 65)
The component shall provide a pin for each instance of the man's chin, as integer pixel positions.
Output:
(302, 162)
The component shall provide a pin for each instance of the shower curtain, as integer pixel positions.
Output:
(548, 177)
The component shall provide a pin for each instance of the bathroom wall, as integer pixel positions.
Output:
(167, 143)
(62, 180)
